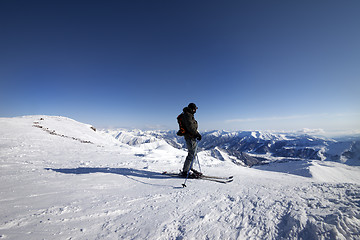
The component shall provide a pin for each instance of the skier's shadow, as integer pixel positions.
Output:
(128, 172)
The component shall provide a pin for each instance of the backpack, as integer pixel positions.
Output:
(182, 130)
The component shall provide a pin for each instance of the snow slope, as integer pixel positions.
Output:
(60, 179)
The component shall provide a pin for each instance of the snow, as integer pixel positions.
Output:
(60, 179)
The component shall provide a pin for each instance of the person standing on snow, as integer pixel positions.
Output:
(191, 135)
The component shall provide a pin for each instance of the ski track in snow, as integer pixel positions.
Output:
(56, 187)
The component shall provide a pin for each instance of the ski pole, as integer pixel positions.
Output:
(197, 157)
(198, 162)
(192, 161)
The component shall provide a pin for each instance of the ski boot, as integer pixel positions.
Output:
(196, 174)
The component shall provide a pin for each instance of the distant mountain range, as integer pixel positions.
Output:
(255, 147)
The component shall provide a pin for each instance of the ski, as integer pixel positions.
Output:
(217, 180)
(172, 174)
(204, 177)
(214, 177)
(217, 177)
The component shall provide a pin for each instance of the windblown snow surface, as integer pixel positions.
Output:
(60, 179)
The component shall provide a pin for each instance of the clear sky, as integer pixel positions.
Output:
(248, 65)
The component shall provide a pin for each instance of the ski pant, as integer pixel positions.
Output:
(191, 146)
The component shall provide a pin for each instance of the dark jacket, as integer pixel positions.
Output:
(190, 123)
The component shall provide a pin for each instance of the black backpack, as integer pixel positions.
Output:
(182, 130)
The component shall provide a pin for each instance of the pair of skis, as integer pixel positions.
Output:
(204, 177)
(199, 175)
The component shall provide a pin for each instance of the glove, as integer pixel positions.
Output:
(198, 137)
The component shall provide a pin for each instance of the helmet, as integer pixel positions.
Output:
(192, 106)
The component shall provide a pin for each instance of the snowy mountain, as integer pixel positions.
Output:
(255, 147)
(62, 179)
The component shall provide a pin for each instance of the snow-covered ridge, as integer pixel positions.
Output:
(242, 147)
(263, 147)
(40, 124)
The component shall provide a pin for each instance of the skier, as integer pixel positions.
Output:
(191, 135)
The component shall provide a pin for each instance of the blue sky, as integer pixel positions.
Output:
(248, 65)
